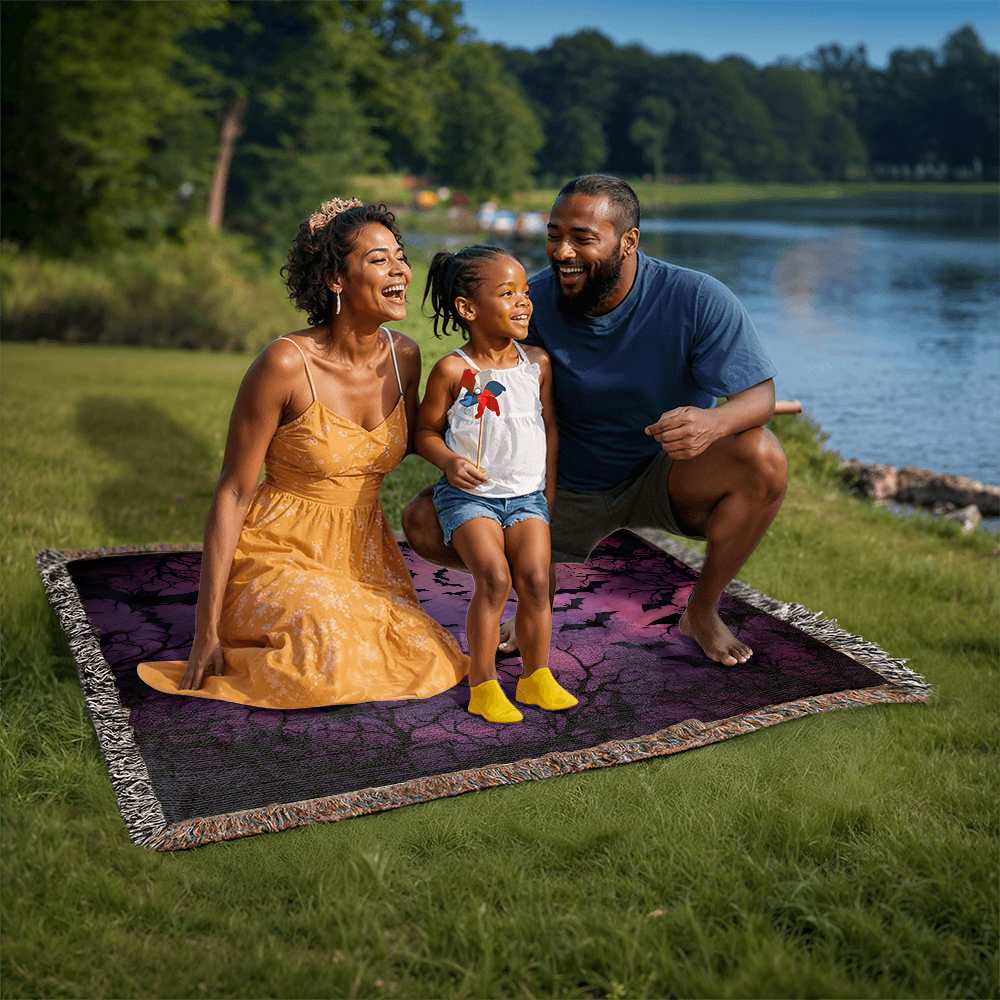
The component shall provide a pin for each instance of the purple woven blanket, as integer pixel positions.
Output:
(190, 771)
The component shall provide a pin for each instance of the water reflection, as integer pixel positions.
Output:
(821, 273)
(959, 278)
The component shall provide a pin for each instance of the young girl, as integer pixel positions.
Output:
(495, 513)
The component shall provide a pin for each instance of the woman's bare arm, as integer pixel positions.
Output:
(260, 405)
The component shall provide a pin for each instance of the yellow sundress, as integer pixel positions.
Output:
(320, 607)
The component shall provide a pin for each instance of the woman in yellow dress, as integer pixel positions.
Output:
(305, 599)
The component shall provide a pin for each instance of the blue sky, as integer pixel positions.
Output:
(761, 30)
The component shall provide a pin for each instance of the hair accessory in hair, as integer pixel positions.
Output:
(329, 210)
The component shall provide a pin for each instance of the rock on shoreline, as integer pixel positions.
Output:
(957, 497)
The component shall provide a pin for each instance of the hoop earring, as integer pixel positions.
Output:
(337, 311)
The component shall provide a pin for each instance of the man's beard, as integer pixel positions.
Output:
(596, 287)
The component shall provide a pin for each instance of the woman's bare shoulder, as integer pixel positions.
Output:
(284, 356)
(405, 347)
(275, 370)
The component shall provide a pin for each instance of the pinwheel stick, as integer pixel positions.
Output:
(479, 449)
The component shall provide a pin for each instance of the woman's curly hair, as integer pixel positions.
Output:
(321, 248)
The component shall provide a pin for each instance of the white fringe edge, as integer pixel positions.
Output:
(137, 801)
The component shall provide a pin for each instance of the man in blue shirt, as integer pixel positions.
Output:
(641, 350)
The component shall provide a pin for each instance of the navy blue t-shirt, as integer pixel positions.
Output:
(680, 338)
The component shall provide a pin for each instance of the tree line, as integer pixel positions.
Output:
(829, 116)
(124, 119)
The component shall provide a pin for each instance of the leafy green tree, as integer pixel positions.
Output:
(575, 143)
(332, 89)
(925, 106)
(488, 133)
(303, 130)
(571, 85)
(650, 130)
(398, 64)
(635, 79)
(809, 117)
(100, 135)
(968, 114)
(722, 130)
(899, 129)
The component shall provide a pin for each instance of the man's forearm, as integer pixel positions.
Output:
(752, 407)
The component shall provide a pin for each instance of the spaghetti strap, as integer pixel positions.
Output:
(392, 348)
(305, 361)
(465, 357)
(524, 357)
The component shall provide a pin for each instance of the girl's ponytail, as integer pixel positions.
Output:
(455, 276)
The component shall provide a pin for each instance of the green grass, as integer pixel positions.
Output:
(851, 854)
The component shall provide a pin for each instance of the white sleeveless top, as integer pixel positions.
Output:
(513, 453)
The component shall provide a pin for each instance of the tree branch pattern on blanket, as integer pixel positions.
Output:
(616, 646)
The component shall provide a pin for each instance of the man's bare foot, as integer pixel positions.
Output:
(508, 641)
(715, 639)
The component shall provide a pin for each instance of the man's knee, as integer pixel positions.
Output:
(424, 534)
(419, 517)
(760, 455)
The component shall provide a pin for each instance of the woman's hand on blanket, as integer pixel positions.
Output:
(206, 661)
(463, 474)
(686, 431)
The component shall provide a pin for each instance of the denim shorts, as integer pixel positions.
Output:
(454, 507)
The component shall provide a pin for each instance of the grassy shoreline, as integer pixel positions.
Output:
(852, 854)
(663, 197)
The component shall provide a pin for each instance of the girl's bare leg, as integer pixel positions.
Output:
(528, 548)
(528, 551)
(480, 543)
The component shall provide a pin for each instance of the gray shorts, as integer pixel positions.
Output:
(581, 520)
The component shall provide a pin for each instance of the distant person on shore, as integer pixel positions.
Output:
(641, 350)
(487, 423)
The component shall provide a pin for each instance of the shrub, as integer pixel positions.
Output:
(207, 292)
(803, 440)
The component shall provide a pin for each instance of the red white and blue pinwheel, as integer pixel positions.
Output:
(485, 397)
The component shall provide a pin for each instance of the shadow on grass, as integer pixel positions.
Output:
(169, 473)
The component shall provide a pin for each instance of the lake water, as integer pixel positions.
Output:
(879, 312)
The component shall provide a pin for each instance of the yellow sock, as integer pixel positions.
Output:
(542, 689)
(489, 701)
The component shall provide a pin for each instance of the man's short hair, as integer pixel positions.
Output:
(624, 203)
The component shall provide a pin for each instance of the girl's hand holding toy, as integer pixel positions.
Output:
(463, 474)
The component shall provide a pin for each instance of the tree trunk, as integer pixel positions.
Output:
(231, 130)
